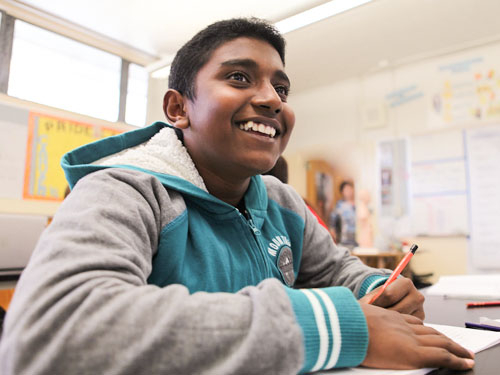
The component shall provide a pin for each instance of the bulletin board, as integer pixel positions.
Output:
(31, 147)
(439, 184)
(483, 169)
(32, 182)
(49, 138)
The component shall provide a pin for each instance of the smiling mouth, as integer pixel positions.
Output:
(252, 126)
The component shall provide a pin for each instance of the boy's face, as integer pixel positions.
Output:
(239, 122)
(348, 192)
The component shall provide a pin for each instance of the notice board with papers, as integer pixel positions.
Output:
(483, 168)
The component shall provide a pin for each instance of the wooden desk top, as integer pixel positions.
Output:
(386, 254)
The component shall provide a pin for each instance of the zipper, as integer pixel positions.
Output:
(256, 232)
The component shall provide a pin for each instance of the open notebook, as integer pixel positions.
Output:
(467, 286)
(473, 339)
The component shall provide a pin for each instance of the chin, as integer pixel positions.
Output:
(258, 163)
(265, 167)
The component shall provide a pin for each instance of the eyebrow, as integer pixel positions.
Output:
(251, 64)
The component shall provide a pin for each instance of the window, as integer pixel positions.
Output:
(137, 95)
(57, 71)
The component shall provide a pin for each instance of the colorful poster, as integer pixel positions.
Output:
(49, 138)
(467, 91)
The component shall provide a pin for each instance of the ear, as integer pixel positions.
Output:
(175, 110)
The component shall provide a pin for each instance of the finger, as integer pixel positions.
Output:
(429, 335)
(394, 293)
(409, 307)
(412, 303)
(413, 320)
(439, 357)
(405, 306)
(441, 341)
(425, 330)
(419, 313)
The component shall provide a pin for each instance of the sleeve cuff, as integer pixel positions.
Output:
(370, 283)
(333, 325)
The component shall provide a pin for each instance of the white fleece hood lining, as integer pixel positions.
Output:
(163, 153)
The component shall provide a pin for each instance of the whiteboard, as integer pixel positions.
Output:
(439, 184)
(483, 154)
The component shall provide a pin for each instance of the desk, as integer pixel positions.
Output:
(453, 312)
(380, 259)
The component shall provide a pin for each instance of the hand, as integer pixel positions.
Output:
(401, 341)
(401, 296)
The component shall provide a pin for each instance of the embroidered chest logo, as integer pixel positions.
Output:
(285, 265)
(276, 243)
(280, 247)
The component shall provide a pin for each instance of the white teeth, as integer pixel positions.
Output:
(257, 127)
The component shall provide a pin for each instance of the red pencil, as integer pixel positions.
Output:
(483, 304)
(396, 272)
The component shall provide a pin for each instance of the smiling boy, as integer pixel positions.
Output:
(173, 255)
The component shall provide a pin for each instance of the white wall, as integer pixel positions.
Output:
(156, 91)
(330, 126)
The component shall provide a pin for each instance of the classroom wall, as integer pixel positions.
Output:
(331, 124)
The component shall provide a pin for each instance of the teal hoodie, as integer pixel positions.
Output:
(266, 288)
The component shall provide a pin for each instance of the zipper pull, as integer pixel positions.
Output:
(256, 230)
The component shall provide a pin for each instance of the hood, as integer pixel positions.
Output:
(155, 150)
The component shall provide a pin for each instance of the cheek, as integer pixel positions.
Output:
(214, 106)
(289, 118)
(289, 121)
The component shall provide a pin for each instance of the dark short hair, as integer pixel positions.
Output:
(344, 184)
(195, 53)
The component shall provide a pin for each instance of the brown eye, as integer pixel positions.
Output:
(282, 91)
(237, 76)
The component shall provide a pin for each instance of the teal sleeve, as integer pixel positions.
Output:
(333, 326)
(370, 283)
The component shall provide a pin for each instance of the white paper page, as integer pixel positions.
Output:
(475, 340)
(489, 322)
(467, 286)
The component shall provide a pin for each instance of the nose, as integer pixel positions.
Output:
(267, 98)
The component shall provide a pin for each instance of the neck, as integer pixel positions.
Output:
(229, 191)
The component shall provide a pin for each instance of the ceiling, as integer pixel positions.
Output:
(374, 36)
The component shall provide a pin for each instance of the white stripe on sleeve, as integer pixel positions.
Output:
(322, 330)
(335, 327)
(372, 286)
